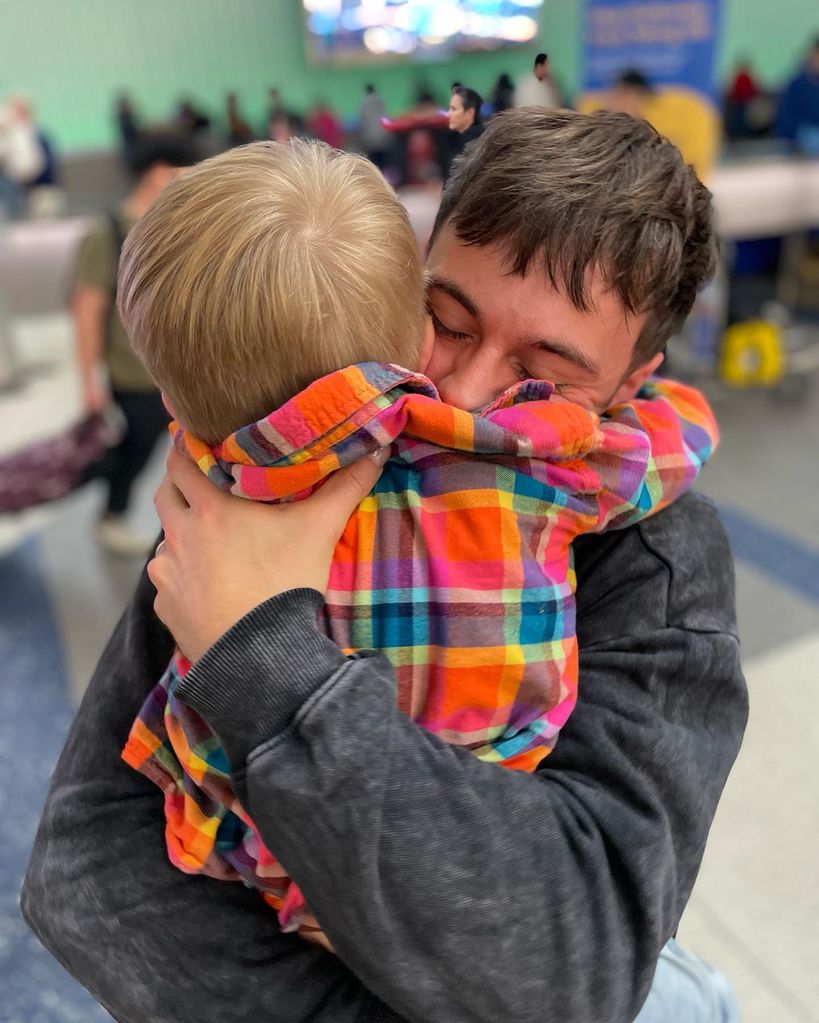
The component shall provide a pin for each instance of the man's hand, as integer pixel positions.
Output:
(96, 396)
(222, 556)
(90, 308)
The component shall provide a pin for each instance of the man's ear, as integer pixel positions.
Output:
(634, 381)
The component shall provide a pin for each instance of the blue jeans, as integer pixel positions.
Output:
(687, 990)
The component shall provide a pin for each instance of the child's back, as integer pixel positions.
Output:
(458, 567)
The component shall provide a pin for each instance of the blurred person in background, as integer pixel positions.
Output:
(465, 114)
(128, 128)
(110, 372)
(744, 86)
(22, 157)
(282, 122)
(630, 94)
(465, 120)
(49, 175)
(537, 88)
(422, 140)
(426, 105)
(280, 129)
(503, 95)
(239, 131)
(191, 120)
(277, 123)
(375, 139)
(40, 195)
(797, 118)
(43, 195)
(326, 126)
(693, 126)
(742, 91)
(276, 107)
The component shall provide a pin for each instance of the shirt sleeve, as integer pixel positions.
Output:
(649, 452)
(152, 944)
(96, 264)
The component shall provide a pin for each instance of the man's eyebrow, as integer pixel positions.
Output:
(434, 282)
(566, 351)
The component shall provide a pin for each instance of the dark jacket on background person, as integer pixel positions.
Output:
(452, 890)
(458, 141)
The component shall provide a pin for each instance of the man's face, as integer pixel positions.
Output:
(494, 328)
(542, 70)
(459, 119)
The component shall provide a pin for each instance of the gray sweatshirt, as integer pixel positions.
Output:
(453, 890)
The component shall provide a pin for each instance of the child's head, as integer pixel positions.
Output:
(262, 269)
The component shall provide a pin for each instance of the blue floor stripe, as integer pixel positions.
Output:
(35, 714)
(792, 563)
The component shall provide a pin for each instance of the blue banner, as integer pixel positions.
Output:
(672, 42)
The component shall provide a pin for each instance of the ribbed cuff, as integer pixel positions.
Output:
(252, 681)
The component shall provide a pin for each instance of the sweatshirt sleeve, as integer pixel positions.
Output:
(650, 451)
(152, 944)
(457, 890)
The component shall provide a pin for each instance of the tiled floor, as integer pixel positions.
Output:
(755, 909)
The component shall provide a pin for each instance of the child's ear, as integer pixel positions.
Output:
(634, 381)
(427, 344)
(166, 401)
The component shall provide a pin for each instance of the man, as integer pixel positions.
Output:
(452, 890)
(465, 121)
(537, 88)
(375, 139)
(630, 94)
(22, 157)
(687, 121)
(109, 369)
(465, 114)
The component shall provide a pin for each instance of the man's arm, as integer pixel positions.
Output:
(89, 310)
(152, 944)
(398, 840)
(457, 890)
(91, 297)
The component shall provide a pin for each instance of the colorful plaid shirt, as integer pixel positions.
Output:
(457, 567)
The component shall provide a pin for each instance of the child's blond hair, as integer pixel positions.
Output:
(262, 269)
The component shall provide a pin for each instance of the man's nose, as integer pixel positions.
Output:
(474, 383)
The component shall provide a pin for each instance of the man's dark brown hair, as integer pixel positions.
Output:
(570, 193)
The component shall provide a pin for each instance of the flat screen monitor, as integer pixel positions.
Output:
(359, 31)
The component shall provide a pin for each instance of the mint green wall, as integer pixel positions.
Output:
(775, 34)
(72, 56)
